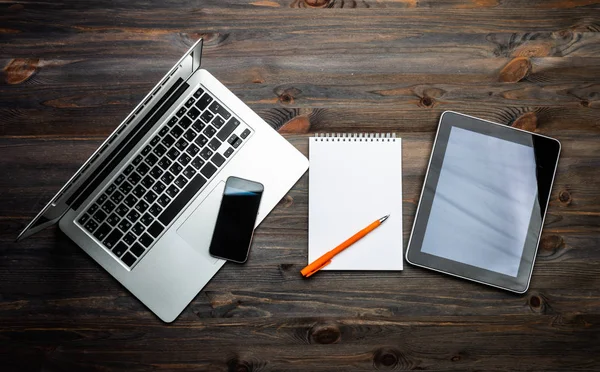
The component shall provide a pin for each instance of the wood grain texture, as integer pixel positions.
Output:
(71, 71)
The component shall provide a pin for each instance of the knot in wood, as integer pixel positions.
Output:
(325, 334)
(528, 121)
(236, 365)
(585, 103)
(565, 197)
(515, 70)
(426, 101)
(387, 358)
(19, 70)
(535, 301)
(287, 95)
(317, 3)
(550, 244)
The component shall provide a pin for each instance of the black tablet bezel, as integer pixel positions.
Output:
(546, 152)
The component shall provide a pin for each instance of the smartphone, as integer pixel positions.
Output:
(235, 222)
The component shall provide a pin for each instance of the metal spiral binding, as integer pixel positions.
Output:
(355, 137)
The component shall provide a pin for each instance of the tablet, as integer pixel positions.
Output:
(483, 202)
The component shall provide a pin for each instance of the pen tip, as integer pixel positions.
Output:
(383, 218)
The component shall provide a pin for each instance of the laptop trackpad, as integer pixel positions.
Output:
(197, 230)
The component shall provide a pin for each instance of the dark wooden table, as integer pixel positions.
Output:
(72, 70)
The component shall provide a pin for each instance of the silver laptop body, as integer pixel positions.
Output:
(144, 205)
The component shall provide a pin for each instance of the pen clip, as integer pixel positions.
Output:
(318, 268)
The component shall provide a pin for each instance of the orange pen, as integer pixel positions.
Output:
(325, 259)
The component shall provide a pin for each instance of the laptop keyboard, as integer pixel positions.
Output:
(142, 200)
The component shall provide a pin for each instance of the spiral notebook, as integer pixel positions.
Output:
(355, 179)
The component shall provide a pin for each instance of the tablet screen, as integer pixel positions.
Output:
(483, 202)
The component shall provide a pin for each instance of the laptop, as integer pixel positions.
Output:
(144, 205)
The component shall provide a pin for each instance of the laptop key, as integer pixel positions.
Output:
(193, 113)
(112, 238)
(125, 188)
(164, 163)
(218, 109)
(208, 170)
(141, 206)
(245, 133)
(137, 249)
(155, 229)
(164, 200)
(228, 152)
(122, 210)
(148, 180)
(180, 181)
(155, 140)
(155, 210)
(181, 144)
(129, 238)
(176, 132)
(101, 199)
(198, 125)
(190, 102)
(218, 122)
(182, 199)
(214, 144)
(159, 150)
(117, 197)
(150, 197)
(228, 129)
(172, 121)
(138, 159)
(189, 172)
(173, 153)
(181, 111)
(158, 187)
(108, 206)
(168, 140)
(190, 135)
(139, 191)
(128, 169)
(206, 153)
(184, 159)
(102, 231)
(119, 249)
(146, 240)
(99, 216)
(192, 149)
(133, 215)
(113, 220)
(167, 178)
(146, 150)
(151, 159)
(110, 189)
(232, 139)
(128, 259)
(198, 163)
(218, 159)
(237, 143)
(164, 130)
(185, 121)
(130, 201)
(201, 140)
(156, 172)
(207, 116)
(90, 226)
(176, 168)
(92, 209)
(138, 228)
(198, 92)
(124, 225)
(134, 178)
(172, 191)
(142, 169)
(147, 219)
(82, 220)
(204, 101)
(119, 179)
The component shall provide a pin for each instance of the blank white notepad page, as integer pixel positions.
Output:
(353, 182)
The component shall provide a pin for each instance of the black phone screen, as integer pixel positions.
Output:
(235, 221)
